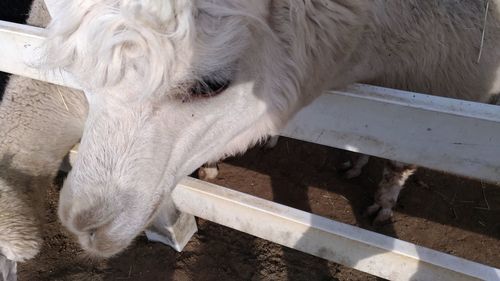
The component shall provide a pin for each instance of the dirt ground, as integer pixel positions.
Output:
(442, 212)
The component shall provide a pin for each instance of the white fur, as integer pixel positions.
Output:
(138, 60)
(208, 171)
(144, 133)
(36, 131)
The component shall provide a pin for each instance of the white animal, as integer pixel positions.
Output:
(173, 84)
(36, 131)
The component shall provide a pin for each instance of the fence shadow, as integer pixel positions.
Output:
(295, 168)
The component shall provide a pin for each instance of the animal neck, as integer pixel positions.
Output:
(413, 45)
(320, 42)
(335, 43)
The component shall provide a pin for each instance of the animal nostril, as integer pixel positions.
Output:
(90, 220)
(92, 234)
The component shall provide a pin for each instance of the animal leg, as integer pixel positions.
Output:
(271, 142)
(355, 167)
(208, 171)
(394, 177)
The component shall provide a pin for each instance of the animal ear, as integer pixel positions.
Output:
(155, 13)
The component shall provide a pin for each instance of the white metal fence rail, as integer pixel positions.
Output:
(450, 135)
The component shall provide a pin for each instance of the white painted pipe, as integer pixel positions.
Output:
(351, 246)
(444, 134)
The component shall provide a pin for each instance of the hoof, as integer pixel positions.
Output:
(348, 171)
(384, 216)
(271, 142)
(352, 173)
(370, 211)
(345, 166)
(208, 173)
(8, 269)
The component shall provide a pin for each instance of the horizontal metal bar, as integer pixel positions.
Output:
(445, 134)
(21, 51)
(341, 243)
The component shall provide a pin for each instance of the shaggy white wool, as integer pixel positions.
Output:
(102, 42)
(36, 132)
(136, 58)
(151, 41)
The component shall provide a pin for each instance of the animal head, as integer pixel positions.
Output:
(170, 84)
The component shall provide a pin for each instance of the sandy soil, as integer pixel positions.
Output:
(443, 212)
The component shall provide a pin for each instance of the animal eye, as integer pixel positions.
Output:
(208, 87)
